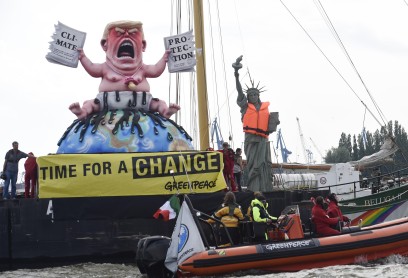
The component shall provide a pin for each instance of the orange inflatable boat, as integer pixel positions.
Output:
(368, 244)
(289, 249)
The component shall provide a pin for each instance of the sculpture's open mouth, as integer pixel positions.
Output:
(126, 49)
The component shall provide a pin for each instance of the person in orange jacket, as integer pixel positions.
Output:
(30, 177)
(322, 221)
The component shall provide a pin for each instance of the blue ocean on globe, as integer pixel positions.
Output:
(124, 130)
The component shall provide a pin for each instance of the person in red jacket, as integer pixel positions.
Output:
(333, 210)
(228, 157)
(322, 221)
(30, 178)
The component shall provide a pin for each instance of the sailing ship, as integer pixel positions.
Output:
(372, 200)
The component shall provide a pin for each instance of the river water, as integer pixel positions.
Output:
(391, 267)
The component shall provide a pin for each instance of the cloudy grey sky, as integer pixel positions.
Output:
(299, 81)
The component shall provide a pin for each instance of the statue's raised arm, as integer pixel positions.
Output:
(237, 66)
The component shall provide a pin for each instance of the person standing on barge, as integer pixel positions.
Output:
(238, 168)
(10, 169)
(30, 177)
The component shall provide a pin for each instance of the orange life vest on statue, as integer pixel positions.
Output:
(256, 122)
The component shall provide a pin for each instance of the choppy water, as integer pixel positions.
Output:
(392, 267)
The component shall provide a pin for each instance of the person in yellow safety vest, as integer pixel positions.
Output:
(249, 210)
(258, 123)
(230, 214)
(261, 215)
(260, 212)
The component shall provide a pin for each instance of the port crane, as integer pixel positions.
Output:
(280, 143)
(308, 155)
(215, 130)
(317, 149)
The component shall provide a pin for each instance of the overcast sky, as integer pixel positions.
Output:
(298, 79)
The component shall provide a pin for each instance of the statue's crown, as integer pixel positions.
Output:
(260, 90)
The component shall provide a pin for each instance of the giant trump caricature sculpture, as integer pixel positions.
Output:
(123, 74)
(124, 116)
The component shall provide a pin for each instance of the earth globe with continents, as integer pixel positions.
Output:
(124, 130)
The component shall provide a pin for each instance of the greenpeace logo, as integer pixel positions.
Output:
(288, 245)
(193, 185)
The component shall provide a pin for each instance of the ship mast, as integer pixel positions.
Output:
(201, 76)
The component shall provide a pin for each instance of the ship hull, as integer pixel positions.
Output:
(376, 208)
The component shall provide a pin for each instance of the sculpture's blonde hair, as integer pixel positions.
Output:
(122, 24)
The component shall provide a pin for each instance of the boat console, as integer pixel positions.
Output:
(288, 226)
(291, 226)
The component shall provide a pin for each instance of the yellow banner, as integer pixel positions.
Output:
(129, 174)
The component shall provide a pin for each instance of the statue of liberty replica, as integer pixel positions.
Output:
(257, 123)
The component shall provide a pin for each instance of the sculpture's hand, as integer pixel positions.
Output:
(166, 55)
(237, 65)
(81, 53)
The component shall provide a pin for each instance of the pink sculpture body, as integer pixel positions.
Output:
(124, 83)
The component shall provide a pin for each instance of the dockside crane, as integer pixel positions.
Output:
(215, 130)
(317, 149)
(308, 155)
(280, 143)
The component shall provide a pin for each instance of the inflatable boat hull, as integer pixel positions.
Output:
(368, 244)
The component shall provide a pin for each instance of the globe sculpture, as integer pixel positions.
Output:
(124, 130)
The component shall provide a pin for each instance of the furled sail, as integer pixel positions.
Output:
(382, 156)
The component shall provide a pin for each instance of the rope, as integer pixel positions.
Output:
(213, 64)
(175, 5)
(193, 113)
(321, 51)
(182, 13)
(225, 77)
(339, 41)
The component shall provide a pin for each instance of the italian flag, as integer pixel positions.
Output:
(169, 210)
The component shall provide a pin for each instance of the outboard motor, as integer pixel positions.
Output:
(150, 255)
